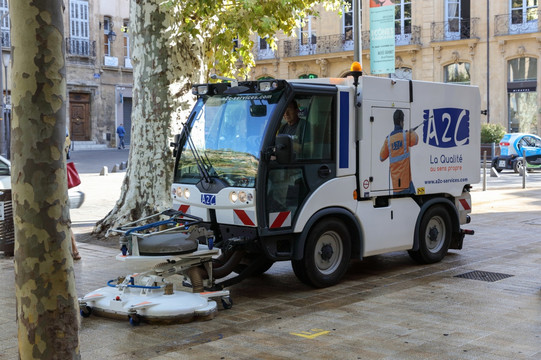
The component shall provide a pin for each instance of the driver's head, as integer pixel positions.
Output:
(292, 113)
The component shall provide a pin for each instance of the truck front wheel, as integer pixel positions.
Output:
(326, 254)
(434, 236)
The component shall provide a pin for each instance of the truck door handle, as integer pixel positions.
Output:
(324, 171)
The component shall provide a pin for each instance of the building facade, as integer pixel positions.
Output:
(495, 45)
(98, 69)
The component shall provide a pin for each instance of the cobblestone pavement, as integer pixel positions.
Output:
(387, 307)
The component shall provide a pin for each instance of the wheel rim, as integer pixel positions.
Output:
(329, 252)
(435, 234)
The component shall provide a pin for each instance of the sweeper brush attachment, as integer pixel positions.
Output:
(174, 246)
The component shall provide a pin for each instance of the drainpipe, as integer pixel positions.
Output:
(488, 62)
(357, 34)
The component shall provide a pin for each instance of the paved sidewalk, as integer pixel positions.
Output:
(386, 308)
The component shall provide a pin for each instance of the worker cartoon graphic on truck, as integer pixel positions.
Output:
(396, 147)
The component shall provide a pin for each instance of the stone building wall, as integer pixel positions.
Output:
(428, 54)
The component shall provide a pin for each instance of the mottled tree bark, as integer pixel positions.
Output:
(47, 311)
(163, 72)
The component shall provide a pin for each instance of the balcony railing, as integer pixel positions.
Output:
(79, 47)
(412, 37)
(511, 24)
(264, 54)
(454, 30)
(338, 43)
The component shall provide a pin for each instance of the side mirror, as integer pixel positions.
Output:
(284, 149)
(175, 144)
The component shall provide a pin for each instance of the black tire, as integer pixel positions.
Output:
(135, 320)
(518, 165)
(227, 303)
(85, 311)
(495, 165)
(326, 254)
(300, 271)
(434, 236)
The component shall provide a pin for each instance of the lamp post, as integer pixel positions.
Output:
(3, 135)
(357, 33)
(488, 63)
(7, 105)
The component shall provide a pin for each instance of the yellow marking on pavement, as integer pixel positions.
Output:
(312, 334)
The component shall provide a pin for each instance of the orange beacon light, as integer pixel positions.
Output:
(356, 66)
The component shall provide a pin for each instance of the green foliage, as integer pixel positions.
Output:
(219, 23)
(492, 133)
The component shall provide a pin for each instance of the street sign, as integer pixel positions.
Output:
(382, 37)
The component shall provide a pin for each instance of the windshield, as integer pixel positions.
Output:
(227, 131)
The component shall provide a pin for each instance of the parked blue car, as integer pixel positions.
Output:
(513, 147)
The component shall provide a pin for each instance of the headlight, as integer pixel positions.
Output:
(179, 192)
(187, 193)
(242, 197)
(233, 197)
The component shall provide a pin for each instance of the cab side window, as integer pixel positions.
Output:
(315, 142)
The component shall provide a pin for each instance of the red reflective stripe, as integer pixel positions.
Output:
(465, 204)
(183, 208)
(279, 221)
(244, 217)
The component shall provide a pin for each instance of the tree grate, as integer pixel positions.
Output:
(484, 276)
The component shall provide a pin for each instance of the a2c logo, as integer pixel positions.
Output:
(446, 127)
(208, 199)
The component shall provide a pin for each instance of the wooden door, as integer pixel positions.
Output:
(79, 117)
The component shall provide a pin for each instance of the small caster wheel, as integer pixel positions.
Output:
(85, 311)
(227, 303)
(135, 319)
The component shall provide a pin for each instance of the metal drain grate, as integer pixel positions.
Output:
(483, 276)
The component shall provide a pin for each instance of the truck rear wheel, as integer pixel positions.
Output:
(326, 254)
(434, 236)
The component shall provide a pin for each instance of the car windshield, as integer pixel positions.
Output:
(226, 133)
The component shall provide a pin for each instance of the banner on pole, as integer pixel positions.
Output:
(382, 37)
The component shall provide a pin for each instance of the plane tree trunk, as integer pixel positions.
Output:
(47, 309)
(163, 72)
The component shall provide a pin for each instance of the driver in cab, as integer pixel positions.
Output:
(293, 125)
